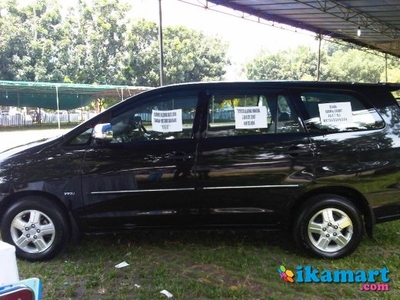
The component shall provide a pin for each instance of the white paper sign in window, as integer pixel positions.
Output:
(335, 113)
(251, 117)
(167, 120)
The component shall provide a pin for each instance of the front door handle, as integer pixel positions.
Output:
(180, 156)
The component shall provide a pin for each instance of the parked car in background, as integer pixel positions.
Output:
(318, 159)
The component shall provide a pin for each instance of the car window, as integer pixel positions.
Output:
(169, 117)
(336, 111)
(81, 139)
(244, 114)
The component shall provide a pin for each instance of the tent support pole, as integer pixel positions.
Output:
(319, 57)
(160, 41)
(58, 108)
(386, 68)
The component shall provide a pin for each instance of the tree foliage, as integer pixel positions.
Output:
(189, 55)
(29, 38)
(95, 42)
(297, 64)
(354, 65)
(337, 63)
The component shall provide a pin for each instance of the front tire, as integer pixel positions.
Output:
(328, 226)
(36, 227)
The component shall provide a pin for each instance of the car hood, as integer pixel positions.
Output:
(30, 147)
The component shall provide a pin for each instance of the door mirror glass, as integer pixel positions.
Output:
(103, 132)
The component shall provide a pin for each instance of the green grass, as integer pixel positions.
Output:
(207, 265)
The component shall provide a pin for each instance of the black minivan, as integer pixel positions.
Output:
(320, 159)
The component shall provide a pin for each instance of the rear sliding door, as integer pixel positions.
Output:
(254, 157)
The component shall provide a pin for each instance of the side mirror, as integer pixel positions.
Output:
(103, 132)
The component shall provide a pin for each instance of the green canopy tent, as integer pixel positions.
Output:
(59, 96)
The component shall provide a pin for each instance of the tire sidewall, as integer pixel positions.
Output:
(48, 208)
(310, 208)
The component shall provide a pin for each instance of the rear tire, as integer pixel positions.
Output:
(37, 228)
(328, 226)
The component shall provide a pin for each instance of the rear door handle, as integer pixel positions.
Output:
(295, 151)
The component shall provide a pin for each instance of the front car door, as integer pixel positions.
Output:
(144, 175)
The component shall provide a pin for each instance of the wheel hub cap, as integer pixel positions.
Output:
(32, 231)
(330, 230)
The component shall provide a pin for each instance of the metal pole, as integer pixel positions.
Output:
(160, 40)
(386, 68)
(58, 109)
(319, 57)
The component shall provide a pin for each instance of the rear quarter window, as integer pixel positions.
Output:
(335, 111)
(396, 95)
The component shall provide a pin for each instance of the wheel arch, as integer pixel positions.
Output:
(350, 194)
(11, 199)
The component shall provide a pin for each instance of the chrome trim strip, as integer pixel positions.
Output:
(250, 186)
(193, 189)
(140, 191)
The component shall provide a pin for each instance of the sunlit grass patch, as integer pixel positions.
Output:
(207, 265)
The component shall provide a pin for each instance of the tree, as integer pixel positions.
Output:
(189, 55)
(29, 37)
(393, 70)
(294, 64)
(98, 44)
(14, 38)
(266, 66)
(142, 60)
(338, 63)
(354, 65)
(91, 44)
(87, 46)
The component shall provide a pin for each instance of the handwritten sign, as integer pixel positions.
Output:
(251, 117)
(167, 120)
(335, 113)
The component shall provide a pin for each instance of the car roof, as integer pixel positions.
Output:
(277, 84)
(365, 88)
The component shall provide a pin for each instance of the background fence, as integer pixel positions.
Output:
(20, 119)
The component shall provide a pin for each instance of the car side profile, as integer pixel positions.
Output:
(320, 159)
